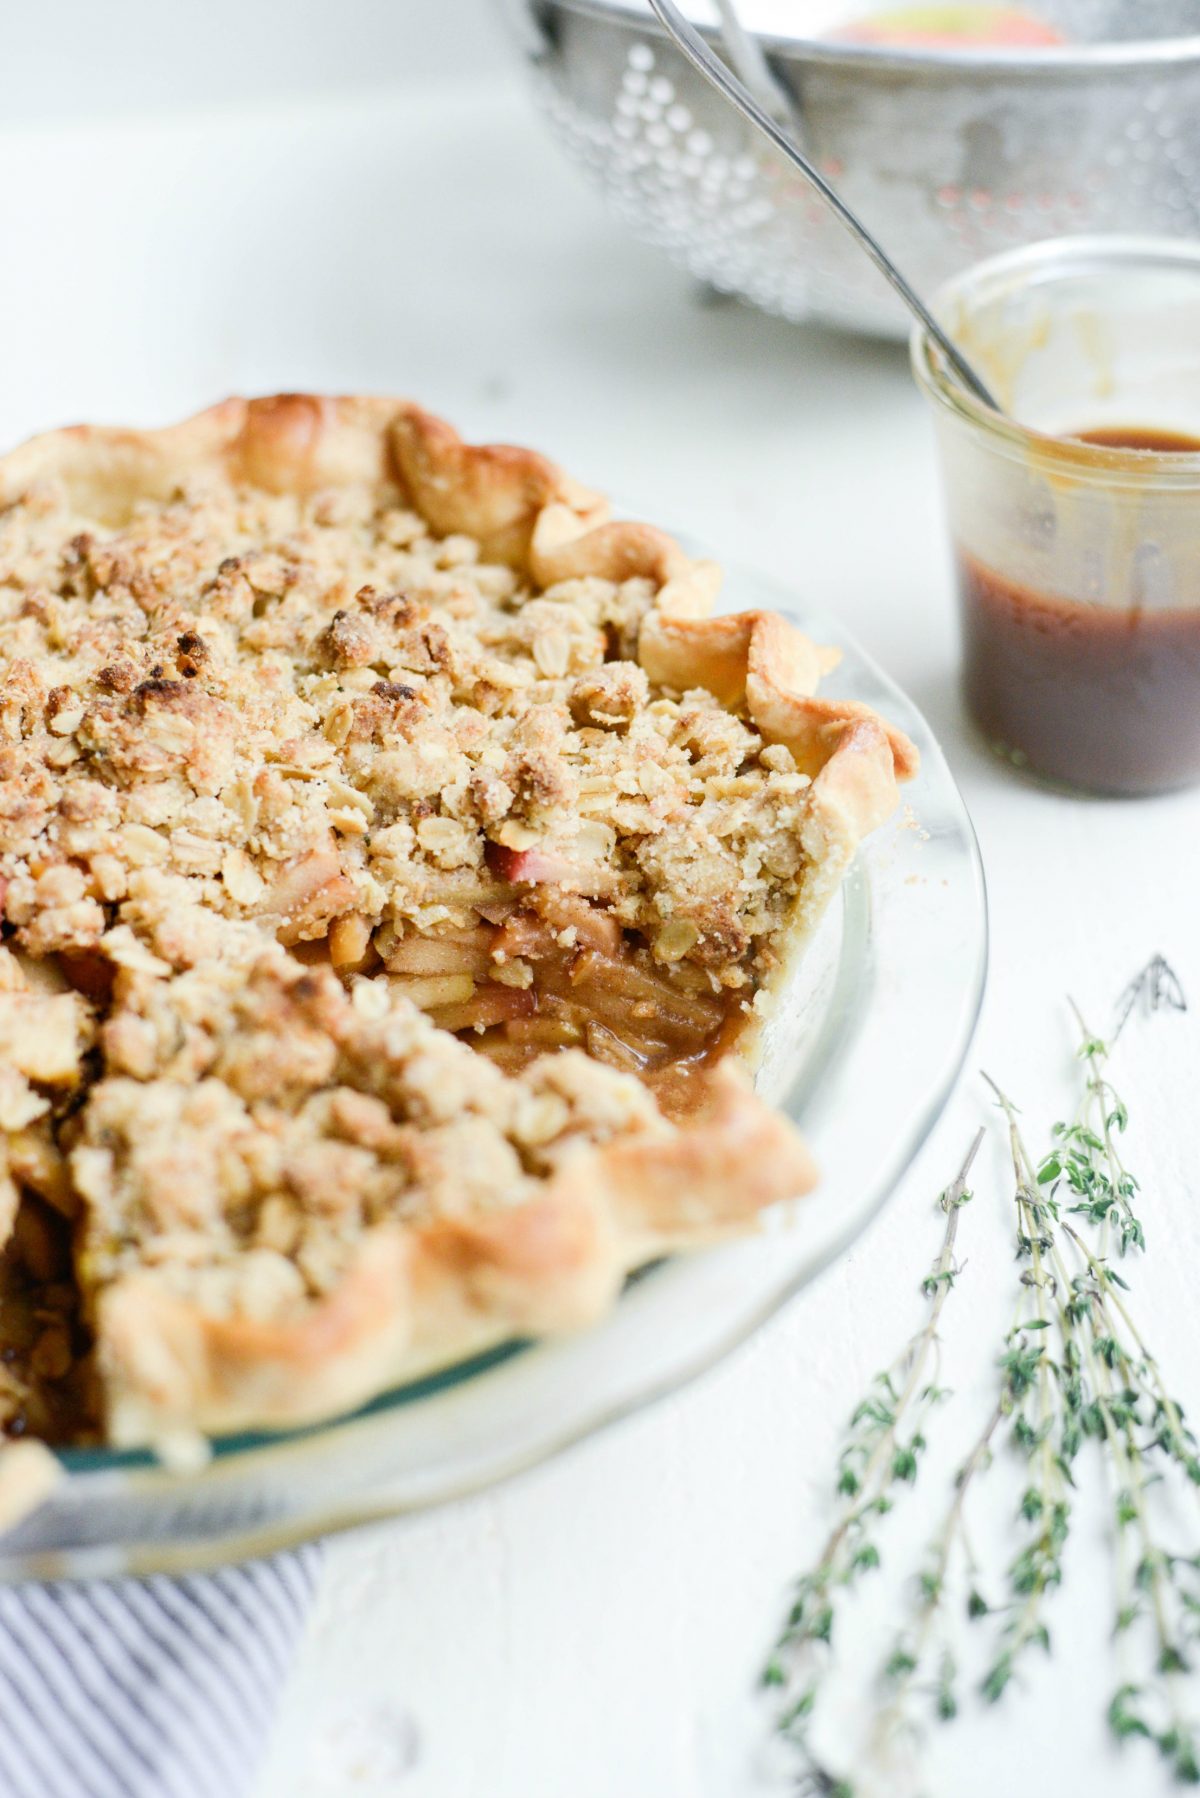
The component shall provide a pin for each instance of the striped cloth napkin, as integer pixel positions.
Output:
(150, 1688)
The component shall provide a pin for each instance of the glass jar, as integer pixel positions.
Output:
(1078, 563)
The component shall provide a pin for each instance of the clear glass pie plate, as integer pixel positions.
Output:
(862, 1054)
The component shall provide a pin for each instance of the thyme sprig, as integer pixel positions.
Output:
(1086, 1158)
(1075, 1377)
(922, 1663)
(1155, 988)
(881, 1453)
(1114, 1392)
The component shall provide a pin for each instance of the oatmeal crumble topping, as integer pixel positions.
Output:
(254, 1125)
(304, 710)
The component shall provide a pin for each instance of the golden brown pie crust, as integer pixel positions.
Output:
(417, 1289)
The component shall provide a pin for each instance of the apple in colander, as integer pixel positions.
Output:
(950, 27)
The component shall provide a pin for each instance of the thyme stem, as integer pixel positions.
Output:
(874, 1460)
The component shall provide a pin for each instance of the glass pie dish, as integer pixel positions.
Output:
(862, 1053)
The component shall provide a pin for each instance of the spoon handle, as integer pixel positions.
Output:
(693, 46)
(748, 60)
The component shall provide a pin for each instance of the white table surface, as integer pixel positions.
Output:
(593, 1630)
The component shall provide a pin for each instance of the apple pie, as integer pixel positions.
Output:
(398, 859)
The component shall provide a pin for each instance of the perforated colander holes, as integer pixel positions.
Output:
(981, 219)
(700, 200)
(684, 155)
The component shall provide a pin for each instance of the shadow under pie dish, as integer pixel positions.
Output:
(397, 861)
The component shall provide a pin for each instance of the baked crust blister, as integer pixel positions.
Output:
(330, 745)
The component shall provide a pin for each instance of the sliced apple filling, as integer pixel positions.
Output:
(559, 972)
(46, 1034)
(46, 1387)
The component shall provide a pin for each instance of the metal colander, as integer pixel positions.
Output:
(949, 156)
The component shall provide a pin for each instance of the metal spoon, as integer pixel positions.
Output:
(693, 46)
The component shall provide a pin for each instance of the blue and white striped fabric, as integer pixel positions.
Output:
(153, 1688)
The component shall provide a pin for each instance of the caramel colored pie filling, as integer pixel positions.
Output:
(558, 972)
(397, 861)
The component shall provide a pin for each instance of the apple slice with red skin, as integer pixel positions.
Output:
(958, 25)
(530, 867)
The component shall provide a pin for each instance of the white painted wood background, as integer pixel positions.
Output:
(593, 1630)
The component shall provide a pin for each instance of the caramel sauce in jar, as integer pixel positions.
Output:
(1141, 437)
(1103, 698)
(1097, 697)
